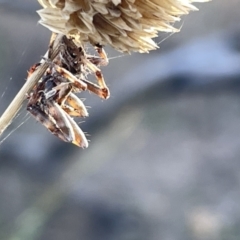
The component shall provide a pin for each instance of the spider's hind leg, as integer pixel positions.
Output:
(75, 107)
(68, 101)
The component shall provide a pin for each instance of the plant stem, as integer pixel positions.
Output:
(13, 108)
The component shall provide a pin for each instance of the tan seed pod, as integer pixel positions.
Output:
(126, 25)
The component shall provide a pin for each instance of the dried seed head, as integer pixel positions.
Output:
(126, 25)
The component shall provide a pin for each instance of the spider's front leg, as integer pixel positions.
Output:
(91, 63)
(64, 75)
(101, 89)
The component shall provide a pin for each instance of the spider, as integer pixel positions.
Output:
(53, 102)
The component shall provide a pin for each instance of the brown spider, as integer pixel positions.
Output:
(76, 61)
(52, 101)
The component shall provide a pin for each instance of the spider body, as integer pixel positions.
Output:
(53, 101)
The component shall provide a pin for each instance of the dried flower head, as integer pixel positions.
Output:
(126, 25)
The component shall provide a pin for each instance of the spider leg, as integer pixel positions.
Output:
(92, 87)
(76, 103)
(103, 56)
(77, 83)
(101, 90)
(76, 107)
(32, 69)
(50, 49)
(79, 137)
(102, 60)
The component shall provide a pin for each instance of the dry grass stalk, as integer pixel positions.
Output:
(16, 104)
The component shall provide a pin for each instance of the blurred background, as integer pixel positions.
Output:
(164, 155)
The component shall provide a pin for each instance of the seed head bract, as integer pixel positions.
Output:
(126, 25)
